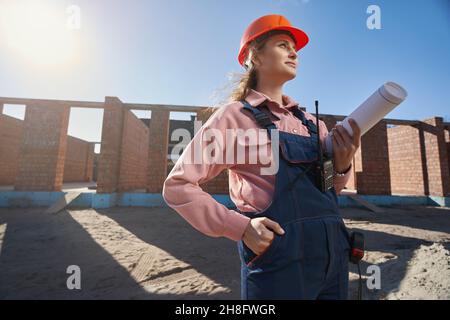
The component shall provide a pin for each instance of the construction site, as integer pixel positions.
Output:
(63, 204)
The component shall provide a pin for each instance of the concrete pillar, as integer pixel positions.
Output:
(158, 146)
(111, 144)
(43, 148)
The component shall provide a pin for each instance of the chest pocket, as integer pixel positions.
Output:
(298, 149)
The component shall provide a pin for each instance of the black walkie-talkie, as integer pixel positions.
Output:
(324, 167)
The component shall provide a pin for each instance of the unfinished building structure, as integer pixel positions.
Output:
(396, 157)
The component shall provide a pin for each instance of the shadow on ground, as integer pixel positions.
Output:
(37, 248)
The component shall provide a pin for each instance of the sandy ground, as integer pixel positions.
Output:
(152, 253)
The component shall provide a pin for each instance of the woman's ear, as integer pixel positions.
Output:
(257, 58)
(256, 61)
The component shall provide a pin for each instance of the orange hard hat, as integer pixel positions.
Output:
(265, 24)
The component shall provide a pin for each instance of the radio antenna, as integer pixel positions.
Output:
(318, 131)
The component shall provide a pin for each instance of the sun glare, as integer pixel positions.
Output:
(38, 33)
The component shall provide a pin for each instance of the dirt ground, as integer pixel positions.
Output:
(152, 253)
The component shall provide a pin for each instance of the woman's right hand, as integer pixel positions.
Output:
(258, 236)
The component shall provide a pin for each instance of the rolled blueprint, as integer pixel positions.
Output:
(371, 111)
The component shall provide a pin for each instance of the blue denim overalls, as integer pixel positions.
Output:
(309, 261)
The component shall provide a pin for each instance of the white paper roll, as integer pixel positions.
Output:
(371, 111)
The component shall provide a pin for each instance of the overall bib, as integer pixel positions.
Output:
(310, 260)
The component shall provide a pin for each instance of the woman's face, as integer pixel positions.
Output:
(278, 59)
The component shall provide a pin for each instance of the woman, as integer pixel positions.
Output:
(291, 239)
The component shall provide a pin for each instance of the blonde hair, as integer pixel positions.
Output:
(249, 79)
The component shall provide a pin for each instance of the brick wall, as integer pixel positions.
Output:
(108, 162)
(134, 154)
(78, 165)
(372, 173)
(419, 158)
(158, 149)
(405, 160)
(436, 157)
(36, 153)
(43, 147)
(10, 140)
(447, 143)
(123, 159)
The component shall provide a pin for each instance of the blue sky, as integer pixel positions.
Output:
(181, 52)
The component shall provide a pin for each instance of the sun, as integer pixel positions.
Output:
(38, 33)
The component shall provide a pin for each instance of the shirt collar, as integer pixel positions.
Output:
(256, 99)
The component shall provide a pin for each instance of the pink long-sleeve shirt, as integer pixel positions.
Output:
(249, 189)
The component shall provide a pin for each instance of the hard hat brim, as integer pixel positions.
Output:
(301, 39)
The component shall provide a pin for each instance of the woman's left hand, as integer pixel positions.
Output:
(344, 145)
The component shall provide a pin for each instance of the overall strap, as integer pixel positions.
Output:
(261, 118)
(312, 128)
